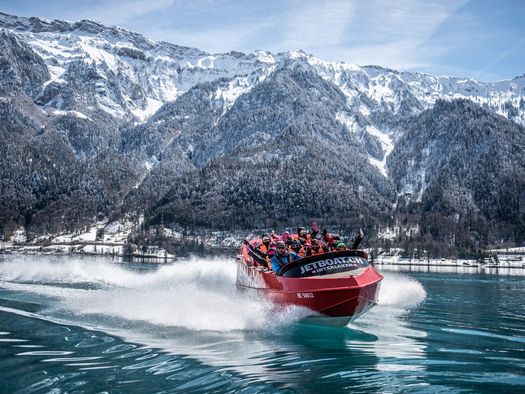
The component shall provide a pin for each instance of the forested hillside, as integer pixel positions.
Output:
(99, 124)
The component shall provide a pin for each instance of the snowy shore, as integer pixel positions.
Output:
(508, 259)
(100, 239)
(112, 239)
(499, 260)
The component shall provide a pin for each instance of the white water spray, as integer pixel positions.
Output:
(196, 294)
(401, 291)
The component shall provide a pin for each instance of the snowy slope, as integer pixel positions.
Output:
(131, 76)
(147, 74)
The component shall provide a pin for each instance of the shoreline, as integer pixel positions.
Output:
(452, 265)
(83, 249)
(504, 258)
(152, 253)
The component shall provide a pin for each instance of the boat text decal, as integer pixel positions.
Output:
(347, 262)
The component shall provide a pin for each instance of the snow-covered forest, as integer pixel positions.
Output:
(100, 124)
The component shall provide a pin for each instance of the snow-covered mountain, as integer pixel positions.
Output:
(130, 75)
(139, 125)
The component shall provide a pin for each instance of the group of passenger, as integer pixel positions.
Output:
(275, 251)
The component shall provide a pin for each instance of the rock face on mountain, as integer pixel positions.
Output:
(462, 167)
(98, 122)
(258, 165)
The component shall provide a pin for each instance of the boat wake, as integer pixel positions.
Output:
(195, 294)
(194, 308)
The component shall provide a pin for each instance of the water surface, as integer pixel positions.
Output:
(70, 324)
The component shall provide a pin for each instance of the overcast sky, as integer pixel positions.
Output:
(480, 39)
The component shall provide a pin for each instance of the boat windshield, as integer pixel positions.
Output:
(326, 264)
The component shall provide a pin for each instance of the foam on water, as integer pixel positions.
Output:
(47, 269)
(196, 294)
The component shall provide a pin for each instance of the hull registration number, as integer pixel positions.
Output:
(305, 295)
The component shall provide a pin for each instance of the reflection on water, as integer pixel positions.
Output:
(73, 324)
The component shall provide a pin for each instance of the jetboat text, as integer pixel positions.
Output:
(349, 262)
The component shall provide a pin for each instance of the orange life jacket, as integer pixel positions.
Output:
(301, 251)
(265, 249)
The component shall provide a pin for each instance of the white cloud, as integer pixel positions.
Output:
(405, 20)
(316, 24)
(221, 39)
(118, 12)
(393, 34)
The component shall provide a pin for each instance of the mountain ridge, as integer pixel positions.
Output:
(142, 125)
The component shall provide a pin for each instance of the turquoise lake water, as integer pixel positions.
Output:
(70, 324)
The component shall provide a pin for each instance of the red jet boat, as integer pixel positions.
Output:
(336, 286)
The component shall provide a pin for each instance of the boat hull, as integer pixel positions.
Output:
(334, 299)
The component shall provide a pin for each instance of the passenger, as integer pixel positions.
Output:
(328, 239)
(265, 248)
(257, 255)
(315, 230)
(274, 236)
(340, 246)
(358, 239)
(271, 252)
(335, 240)
(265, 245)
(315, 248)
(282, 257)
(296, 235)
(302, 235)
(296, 247)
